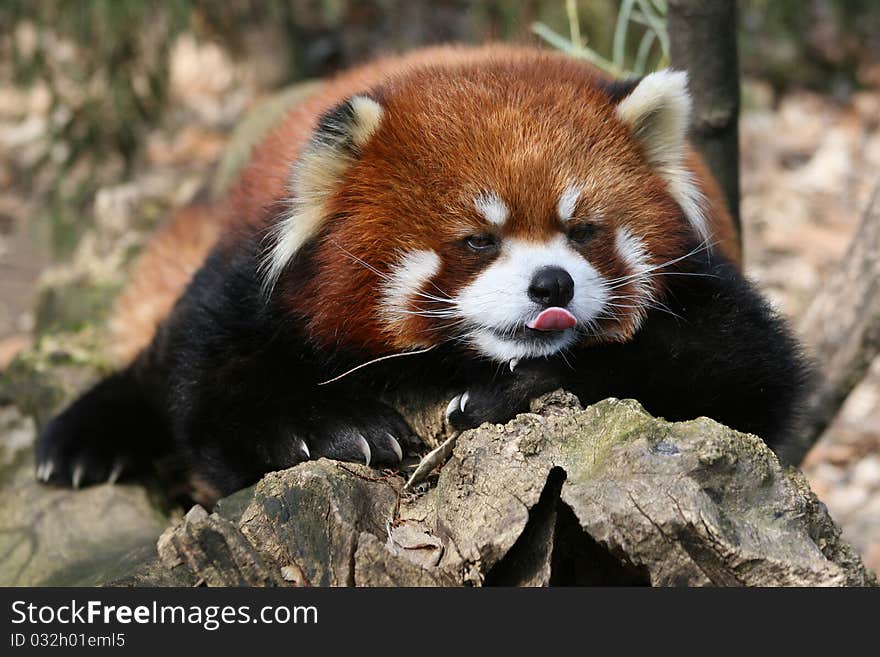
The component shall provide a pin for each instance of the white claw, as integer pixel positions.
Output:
(304, 448)
(78, 472)
(395, 446)
(513, 363)
(115, 473)
(464, 400)
(45, 470)
(365, 449)
(453, 405)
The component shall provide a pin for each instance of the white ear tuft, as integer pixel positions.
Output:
(336, 144)
(367, 117)
(658, 112)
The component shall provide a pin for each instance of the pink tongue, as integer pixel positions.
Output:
(553, 319)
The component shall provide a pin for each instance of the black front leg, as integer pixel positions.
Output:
(358, 430)
(241, 380)
(500, 395)
(235, 447)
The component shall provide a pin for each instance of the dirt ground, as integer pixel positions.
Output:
(809, 164)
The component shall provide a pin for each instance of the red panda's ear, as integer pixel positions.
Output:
(335, 145)
(348, 126)
(657, 110)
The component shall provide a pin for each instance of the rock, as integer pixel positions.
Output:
(561, 495)
(311, 517)
(51, 535)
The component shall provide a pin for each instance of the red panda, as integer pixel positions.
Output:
(511, 220)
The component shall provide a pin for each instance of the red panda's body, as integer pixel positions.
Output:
(466, 206)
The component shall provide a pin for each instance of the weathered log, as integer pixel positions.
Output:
(842, 328)
(561, 495)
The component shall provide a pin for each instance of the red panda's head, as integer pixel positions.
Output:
(511, 209)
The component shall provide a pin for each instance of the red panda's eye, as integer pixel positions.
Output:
(482, 242)
(581, 233)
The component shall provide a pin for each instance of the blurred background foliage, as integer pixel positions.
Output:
(114, 112)
(102, 66)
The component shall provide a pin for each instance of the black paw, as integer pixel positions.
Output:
(368, 432)
(477, 405)
(107, 434)
(506, 394)
(75, 459)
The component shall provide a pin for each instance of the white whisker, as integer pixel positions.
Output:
(377, 360)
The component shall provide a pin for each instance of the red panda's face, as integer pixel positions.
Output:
(513, 220)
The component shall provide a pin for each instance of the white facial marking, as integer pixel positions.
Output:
(567, 202)
(496, 306)
(406, 279)
(492, 208)
(633, 252)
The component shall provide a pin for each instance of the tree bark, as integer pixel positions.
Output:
(703, 42)
(606, 495)
(842, 326)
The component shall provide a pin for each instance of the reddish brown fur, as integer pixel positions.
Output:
(457, 121)
(161, 273)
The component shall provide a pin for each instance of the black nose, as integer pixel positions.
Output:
(551, 286)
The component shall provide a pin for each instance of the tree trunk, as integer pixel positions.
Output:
(703, 42)
(842, 326)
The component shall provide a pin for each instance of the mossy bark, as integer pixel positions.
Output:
(561, 495)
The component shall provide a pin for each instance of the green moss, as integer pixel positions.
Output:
(591, 435)
(32, 391)
(74, 306)
(58, 367)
